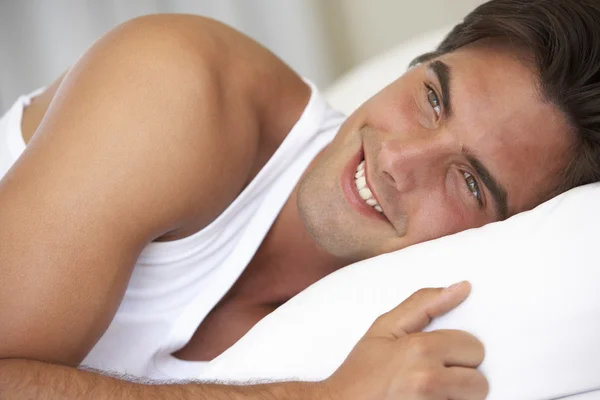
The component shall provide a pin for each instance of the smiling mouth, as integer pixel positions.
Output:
(364, 191)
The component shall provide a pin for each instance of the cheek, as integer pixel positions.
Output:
(438, 216)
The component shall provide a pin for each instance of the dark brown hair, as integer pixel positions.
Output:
(563, 39)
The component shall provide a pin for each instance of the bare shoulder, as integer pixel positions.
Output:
(200, 45)
(197, 71)
(155, 129)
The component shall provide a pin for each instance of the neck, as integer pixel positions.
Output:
(289, 259)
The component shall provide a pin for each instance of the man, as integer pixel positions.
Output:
(161, 143)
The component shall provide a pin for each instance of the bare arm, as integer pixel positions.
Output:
(35, 380)
(151, 134)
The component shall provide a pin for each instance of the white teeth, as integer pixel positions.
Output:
(361, 183)
(365, 193)
(363, 190)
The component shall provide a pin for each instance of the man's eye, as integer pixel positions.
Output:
(473, 186)
(434, 101)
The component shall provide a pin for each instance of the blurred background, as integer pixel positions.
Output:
(321, 39)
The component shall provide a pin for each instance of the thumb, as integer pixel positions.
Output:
(416, 312)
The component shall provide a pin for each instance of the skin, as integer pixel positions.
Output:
(86, 197)
(414, 157)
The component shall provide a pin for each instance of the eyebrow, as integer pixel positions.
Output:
(443, 74)
(496, 189)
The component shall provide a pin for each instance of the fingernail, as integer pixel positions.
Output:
(455, 286)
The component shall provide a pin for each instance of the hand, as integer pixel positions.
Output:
(396, 361)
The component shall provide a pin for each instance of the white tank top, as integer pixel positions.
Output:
(175, 284)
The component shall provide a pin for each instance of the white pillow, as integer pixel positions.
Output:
(535, 305)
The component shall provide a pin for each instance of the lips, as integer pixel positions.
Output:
(352, 192)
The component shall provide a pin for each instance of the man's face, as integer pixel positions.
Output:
(456, 143)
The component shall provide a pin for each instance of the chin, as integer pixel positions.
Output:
(320, 217)
(341, 239)
(330, 232)
(327, 217)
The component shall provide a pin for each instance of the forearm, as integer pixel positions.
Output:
(21, 379)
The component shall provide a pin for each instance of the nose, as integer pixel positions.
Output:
(406, 163)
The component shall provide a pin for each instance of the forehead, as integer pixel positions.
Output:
(499, 112)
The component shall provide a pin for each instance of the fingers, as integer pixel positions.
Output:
(449, 299)
(465, 384)
(453, 383)
(452, 347)
(416, 312)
